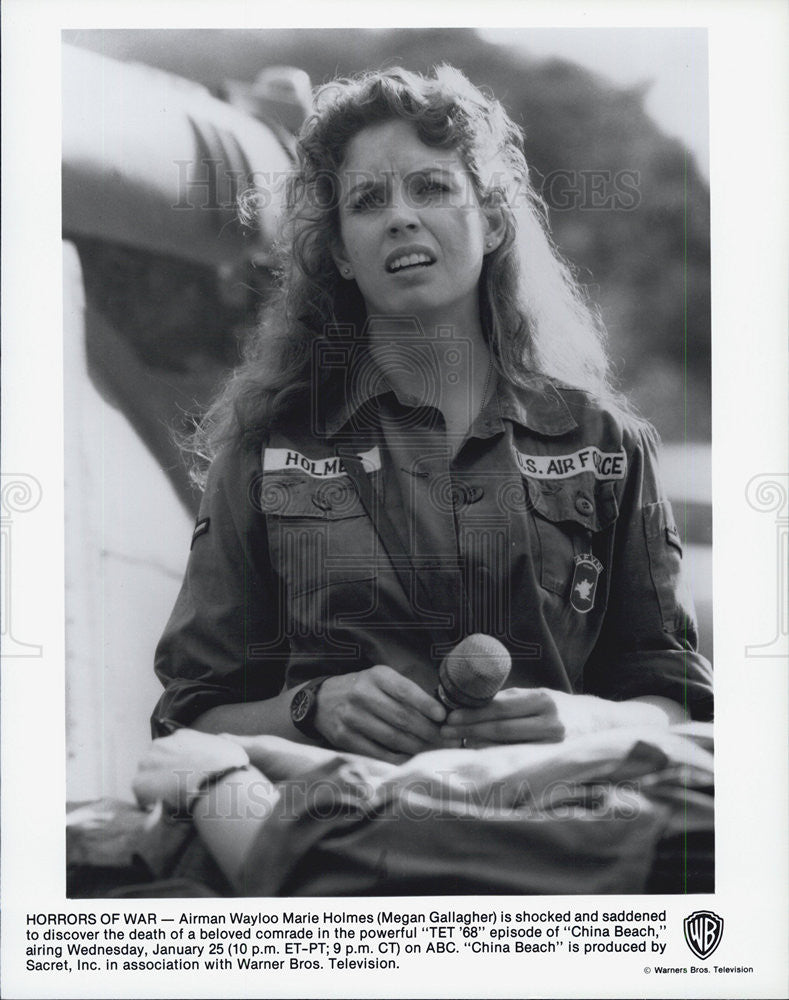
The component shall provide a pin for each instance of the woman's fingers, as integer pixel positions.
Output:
(404, 691)
(516, 715)
(536, 729)
(386, 726)
(381, 708)
(404, 719)
(512, 703)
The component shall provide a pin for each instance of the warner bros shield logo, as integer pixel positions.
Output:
(703, 932)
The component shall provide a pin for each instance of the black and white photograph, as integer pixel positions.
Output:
(430, 522)
(389, 368)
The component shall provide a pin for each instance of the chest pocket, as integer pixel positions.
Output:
(292, 495)
(571, 518)
(319, 532)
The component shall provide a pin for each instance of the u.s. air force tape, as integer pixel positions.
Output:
(282, 459)
(604, 464)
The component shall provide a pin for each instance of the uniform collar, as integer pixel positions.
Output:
(352, 400)
(537, 405)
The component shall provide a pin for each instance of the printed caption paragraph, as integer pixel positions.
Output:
(324, 941)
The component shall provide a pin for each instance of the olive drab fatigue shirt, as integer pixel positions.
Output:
(546, 528)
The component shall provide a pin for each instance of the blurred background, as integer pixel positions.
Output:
(161, 132)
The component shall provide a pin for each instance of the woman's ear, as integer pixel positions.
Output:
(341, 260)
(496, 225)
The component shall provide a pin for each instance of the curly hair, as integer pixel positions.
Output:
(535, 317)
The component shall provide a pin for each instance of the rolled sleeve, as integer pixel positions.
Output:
(649, 641)
(223, 643)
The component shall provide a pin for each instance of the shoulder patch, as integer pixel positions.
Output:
(200, 529)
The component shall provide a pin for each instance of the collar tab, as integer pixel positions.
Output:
(537, 405)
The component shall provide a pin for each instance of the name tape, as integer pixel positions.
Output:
(604, 464)
(282, 459)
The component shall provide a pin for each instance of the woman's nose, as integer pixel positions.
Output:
(402, 226)
(402, 216)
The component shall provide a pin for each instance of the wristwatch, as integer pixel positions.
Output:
(304, 707)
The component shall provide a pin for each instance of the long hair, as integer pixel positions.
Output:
(535, 317)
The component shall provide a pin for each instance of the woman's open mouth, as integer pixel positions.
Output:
(402, 261)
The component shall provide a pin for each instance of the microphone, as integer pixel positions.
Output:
(473, 672)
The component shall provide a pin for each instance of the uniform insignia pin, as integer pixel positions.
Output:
(584, 585)
(200, 529)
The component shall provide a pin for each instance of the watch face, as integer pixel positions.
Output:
(300, 705)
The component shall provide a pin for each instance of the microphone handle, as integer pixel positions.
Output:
(468, 700)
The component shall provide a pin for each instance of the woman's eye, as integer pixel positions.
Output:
(368, 200)
(427, 189)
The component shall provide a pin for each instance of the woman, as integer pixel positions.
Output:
(423, 443)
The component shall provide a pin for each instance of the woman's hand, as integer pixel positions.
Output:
(540, 715)
(379, 713)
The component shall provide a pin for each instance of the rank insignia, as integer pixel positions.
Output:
(584, 585)
(200, 529)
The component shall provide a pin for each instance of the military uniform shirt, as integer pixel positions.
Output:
(546, 529)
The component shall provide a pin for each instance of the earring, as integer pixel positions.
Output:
(346, 272)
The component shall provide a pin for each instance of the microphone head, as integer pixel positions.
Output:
(473, 672)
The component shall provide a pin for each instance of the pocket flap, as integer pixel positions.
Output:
(292, 495)
(591, 504)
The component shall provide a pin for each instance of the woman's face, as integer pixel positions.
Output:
(413, 233)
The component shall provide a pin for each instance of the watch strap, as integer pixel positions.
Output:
(306, 725)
